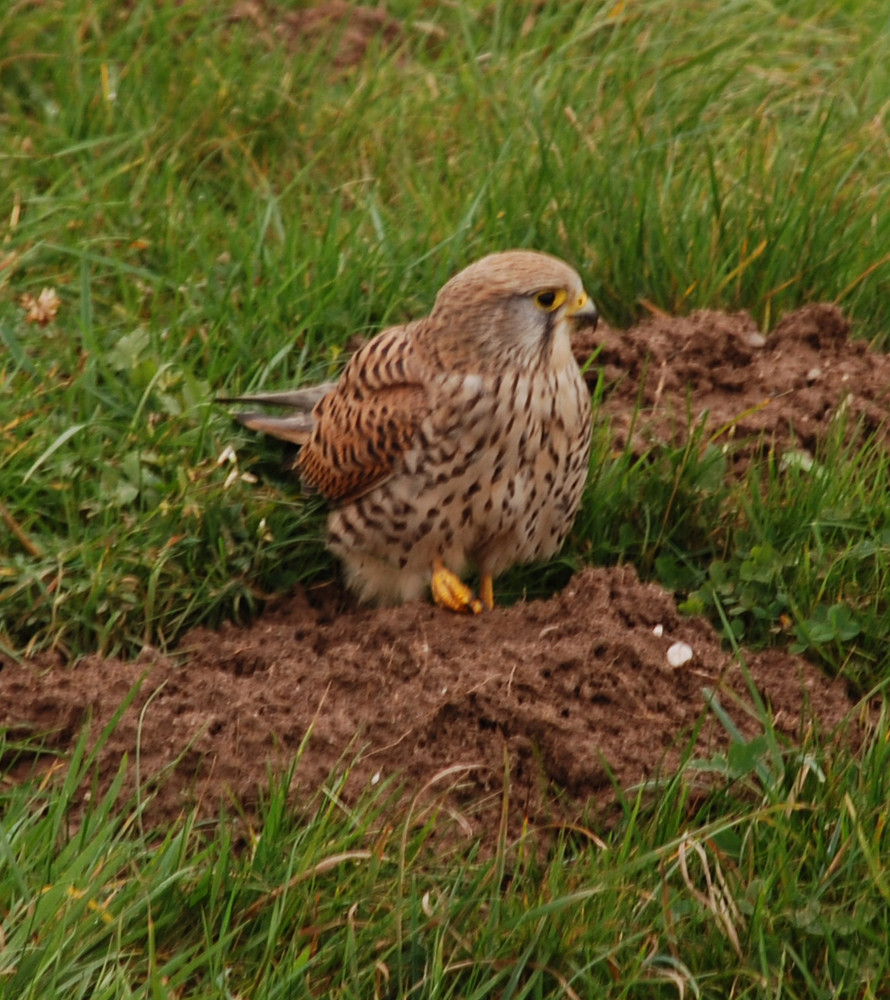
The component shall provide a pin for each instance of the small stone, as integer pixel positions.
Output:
(679, 654)
(756, 340)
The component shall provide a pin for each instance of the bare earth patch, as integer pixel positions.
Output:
(570, 694)
(339, 31)
(758, 392)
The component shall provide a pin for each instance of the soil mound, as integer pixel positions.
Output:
(572, 693)
(758, 392)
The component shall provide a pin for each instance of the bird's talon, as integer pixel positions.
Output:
(449, 591)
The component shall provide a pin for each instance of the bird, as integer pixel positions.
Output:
(456, 442)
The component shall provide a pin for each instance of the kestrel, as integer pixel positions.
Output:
(458, 440)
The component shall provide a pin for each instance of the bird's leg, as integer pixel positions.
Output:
(449, 591)
(486, 591)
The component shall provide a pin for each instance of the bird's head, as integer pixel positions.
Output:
(518, 306)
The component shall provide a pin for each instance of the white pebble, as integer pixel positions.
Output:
(679, 653)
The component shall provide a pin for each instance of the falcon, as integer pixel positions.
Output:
(458, 441)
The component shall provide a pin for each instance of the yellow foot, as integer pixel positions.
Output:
(449, 591)
(486, 591)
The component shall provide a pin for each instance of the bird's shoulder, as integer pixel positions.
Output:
(392, 358)
(364, 425)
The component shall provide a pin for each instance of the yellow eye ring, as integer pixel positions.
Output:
(550, 299)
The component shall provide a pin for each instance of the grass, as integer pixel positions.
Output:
(217, 214)
(796, 552)
(757, 874)
(214, 219)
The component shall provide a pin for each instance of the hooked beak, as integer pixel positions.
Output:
(583, 311)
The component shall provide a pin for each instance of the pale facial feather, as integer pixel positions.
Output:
(489, 309)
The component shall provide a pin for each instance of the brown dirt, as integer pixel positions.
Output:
(782, 391)
(571, 692)
(342, 32)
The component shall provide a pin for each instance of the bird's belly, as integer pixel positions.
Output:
(483, 489)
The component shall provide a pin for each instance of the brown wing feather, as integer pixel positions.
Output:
(363, 427)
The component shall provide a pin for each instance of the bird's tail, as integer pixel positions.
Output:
(294, 427)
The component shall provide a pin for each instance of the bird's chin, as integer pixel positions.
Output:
(561, 347)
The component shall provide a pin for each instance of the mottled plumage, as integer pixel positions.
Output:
(461, 439)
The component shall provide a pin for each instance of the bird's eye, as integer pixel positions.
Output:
(549, 299)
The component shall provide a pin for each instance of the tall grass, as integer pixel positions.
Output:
(218, 212)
